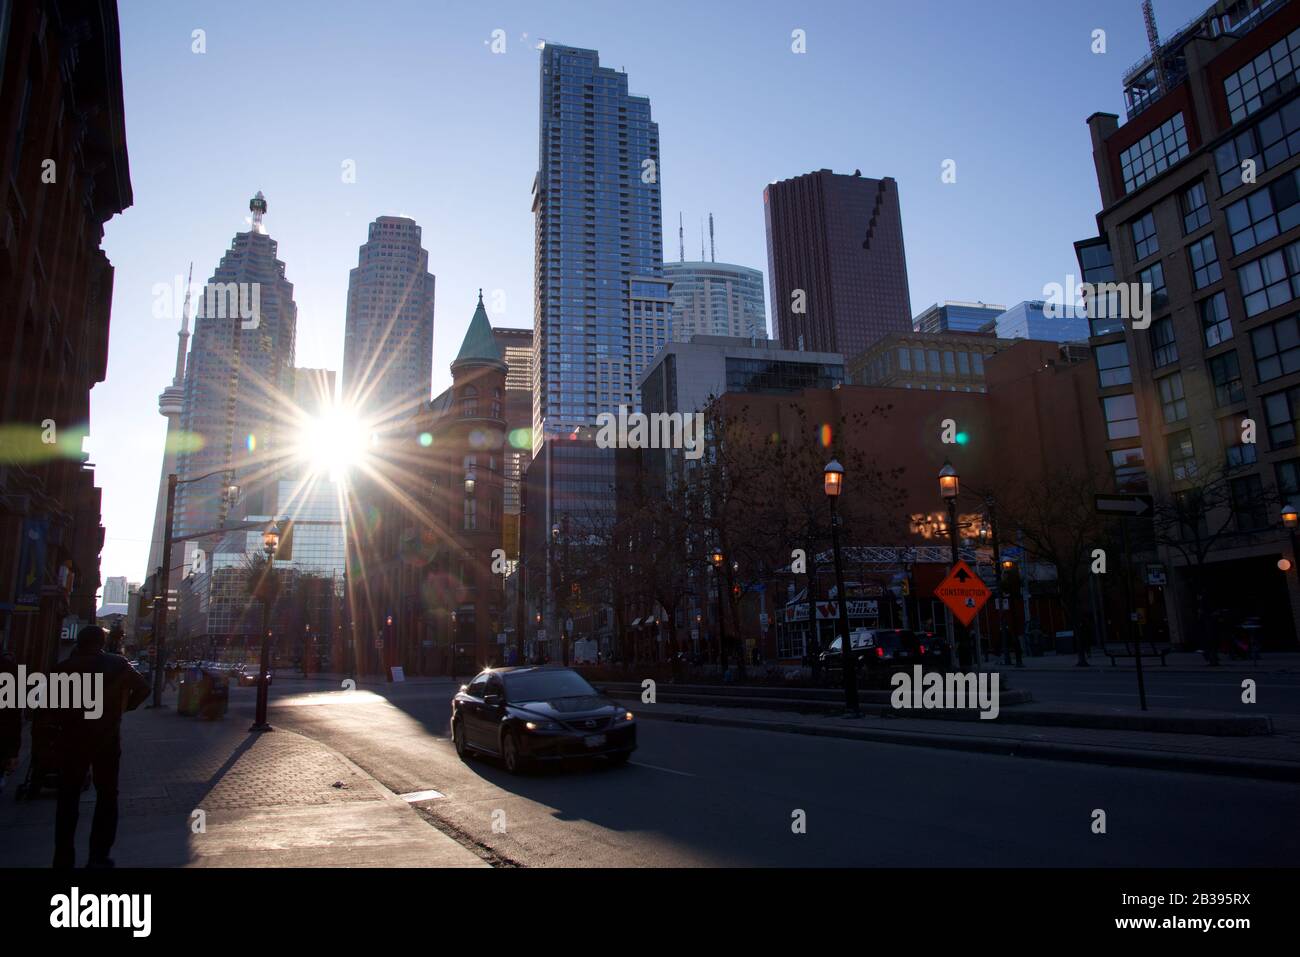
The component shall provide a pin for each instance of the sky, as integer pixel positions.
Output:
(440, 128)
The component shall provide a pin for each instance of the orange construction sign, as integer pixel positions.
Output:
(963, 593)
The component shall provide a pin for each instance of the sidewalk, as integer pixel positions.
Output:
(1275, 756)
(271, 800)
(1176, 661)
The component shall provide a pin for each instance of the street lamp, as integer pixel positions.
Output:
(949, 488)
(270, 542)
(833, 484)
(1291, 522)
(716, 559)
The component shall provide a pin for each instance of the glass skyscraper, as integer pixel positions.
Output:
(716, 299)
(239, 382)
(599, 254)
(388, 337)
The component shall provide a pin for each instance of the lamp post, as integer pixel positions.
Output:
(716, 560)
(950, 488)
(270, 542)
(229, 495)
(1291, 522)
(833, 485)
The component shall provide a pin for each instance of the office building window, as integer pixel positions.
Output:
(1182, 455)
(1196, 208)
(1288, 481)
(1265, 213)
(1205, 262)
(1277, 348)
(1112, 364)
(1272, 140)
(1263, 79)
(1154, 153)
(977, 363)
(1225, 373)
(1121, 416)
(1236, 452)
(1129, 467)
(1145, 242)
(1247, 494)
(1215, 322)
(1280, 417)
(1164, 348)
(1154, 276)
(1270, 281)
(904, 359)
(1172, 401)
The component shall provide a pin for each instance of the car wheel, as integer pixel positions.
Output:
(458, 738)
(620, 758)
(510, 753)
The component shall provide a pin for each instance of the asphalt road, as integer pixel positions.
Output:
(1277, 694)
(699, 795)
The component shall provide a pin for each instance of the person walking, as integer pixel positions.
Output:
(90, 742)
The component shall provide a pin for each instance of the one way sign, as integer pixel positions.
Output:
(1125, 504)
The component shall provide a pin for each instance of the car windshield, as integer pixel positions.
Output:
(545, 685)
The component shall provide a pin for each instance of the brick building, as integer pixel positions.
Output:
(65, 174)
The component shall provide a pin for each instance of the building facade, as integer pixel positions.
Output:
(517, 350)
(598, 242)
(944, 362)
(1200, 203)
(388, 335)
(716, 299)
(835, 261)
(239, 386)
(60, 102)
(957, 317)
(1034, 319)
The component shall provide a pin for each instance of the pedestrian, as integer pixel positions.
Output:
(93, 743)
(11, 724)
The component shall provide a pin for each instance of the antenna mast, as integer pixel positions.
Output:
(184, 334)
(712, 252)
(681, 239)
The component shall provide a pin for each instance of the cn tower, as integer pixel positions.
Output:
(169, 407)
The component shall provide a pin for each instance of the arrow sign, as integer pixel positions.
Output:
(963, 593)
(1124, 504)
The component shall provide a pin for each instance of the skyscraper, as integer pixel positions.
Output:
(599, 253)
(239, 383)
(388, 339)
(716, 299)
(836, 265)
(957, 317)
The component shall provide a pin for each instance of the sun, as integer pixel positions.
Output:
(333, 443)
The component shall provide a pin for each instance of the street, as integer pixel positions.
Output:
(698, 795)
(1211, 690)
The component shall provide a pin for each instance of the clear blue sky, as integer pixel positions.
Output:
(443, 130)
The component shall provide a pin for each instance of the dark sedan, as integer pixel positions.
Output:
(539, 714)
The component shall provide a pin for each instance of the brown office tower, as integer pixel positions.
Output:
(835, 261)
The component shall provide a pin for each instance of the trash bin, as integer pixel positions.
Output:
(215, 695)
(189, 694)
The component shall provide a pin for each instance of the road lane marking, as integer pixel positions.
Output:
(655, 767)
(1129, 694)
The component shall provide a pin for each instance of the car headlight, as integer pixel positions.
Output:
(541, 726)
(627, 716)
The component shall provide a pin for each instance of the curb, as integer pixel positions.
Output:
(1015, 747)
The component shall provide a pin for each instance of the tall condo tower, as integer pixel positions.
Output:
(602, 307)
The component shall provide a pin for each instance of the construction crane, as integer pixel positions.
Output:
(1153, 39)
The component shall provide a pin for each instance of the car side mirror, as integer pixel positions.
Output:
(492, 700)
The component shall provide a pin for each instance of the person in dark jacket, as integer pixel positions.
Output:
(11, 724)
(87, 742)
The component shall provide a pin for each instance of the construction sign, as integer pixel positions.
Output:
(963, 593)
